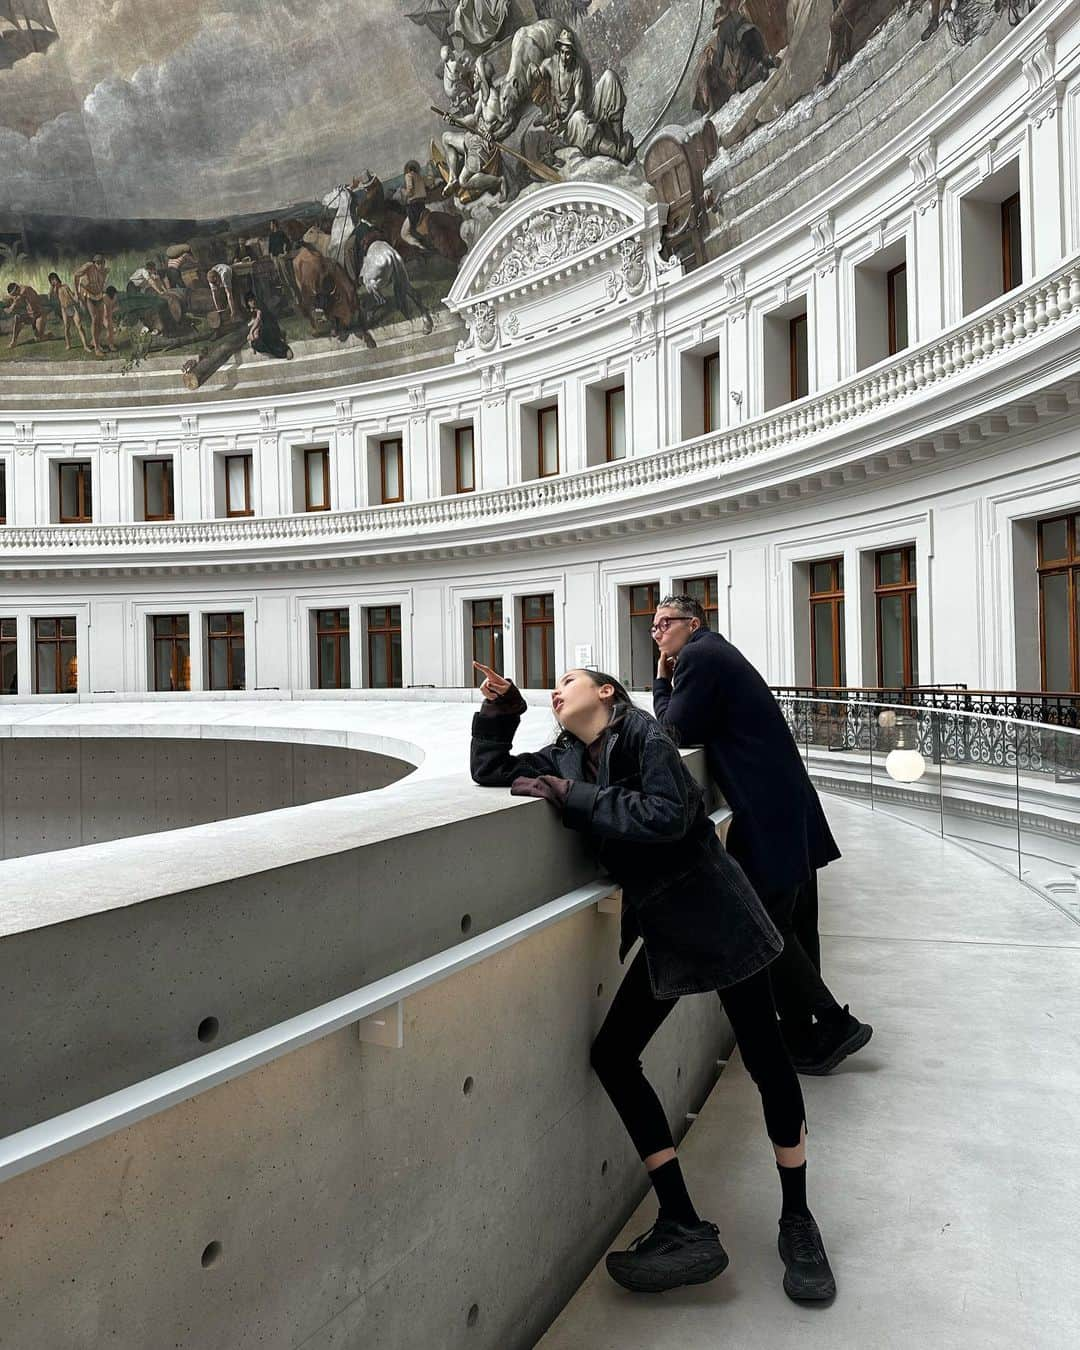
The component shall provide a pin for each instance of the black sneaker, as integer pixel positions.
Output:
(807, 1276)
(834, 1040)
(667, 1256)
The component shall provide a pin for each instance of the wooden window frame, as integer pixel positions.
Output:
(833, 597)
(907, 589)
(173, 640)
(384, 447)
(167, 499)
(57, 643)
(793, 356)
(611, 457)
(890, 288)
(710, 416)
(1070, 567)
(9, 643)
(457, 457)
(389, 629)
(324, 451)
(231, 638)
(84, 471)
(712, 596)
(248, 509)
(1009, 282)
(549, 410)
(340, 636)
(492, 627)
(546, 622)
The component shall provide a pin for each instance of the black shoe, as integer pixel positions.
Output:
(834, 1039)
(667, 1256)
(807, 1276)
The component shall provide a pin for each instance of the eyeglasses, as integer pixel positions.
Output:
(662, 625)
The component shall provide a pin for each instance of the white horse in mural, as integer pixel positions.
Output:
(378, 271)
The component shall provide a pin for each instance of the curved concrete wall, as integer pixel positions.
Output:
(57, 793)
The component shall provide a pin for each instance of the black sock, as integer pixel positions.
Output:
(793, 1186)
(675, 1203)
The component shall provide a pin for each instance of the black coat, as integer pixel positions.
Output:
(778, 830)
(702, 925)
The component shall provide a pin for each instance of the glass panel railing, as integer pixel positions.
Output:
(1048, 800)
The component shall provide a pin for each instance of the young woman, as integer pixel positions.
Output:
(615, 775)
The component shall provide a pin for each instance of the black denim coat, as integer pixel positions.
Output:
(701, 922)
(778, 832)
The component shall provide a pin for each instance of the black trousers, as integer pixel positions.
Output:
(798, 989)
(632, 1020)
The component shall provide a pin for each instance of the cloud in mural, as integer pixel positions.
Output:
(175, 107)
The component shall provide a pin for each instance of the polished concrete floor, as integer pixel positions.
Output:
(943, 1170)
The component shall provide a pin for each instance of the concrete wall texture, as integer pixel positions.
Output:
(359, 1196)
(62, 792)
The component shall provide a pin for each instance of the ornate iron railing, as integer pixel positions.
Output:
(994, 729)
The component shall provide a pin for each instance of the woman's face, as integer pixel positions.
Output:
(576, 697)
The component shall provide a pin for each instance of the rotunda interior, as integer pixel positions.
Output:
(685, 391)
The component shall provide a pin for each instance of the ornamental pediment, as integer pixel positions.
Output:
(557, 254)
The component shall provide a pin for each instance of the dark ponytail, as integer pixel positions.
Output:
(622, 699)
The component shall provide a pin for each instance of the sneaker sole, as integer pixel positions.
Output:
(825, 1296)
(854, 1042)
(640, 1283)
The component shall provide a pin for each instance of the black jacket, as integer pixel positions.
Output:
(778, 831)
(701, 922)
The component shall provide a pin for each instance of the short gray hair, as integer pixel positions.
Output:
(687, 606)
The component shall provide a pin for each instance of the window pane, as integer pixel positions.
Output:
(900, 310)
(219, 670)
(643, 652)
(154, 479)
(891, 567)
(45, 628)
(3, 490)
(549, 442)
(316, 486)
(88, 504)
(163, 665)
(496, 611)
(533, 607)
(391, 471)
(69, 498)
(466, 479)
(821, 576)
(238, 664)
(9, 668)
(913, 635)
(800, 382)
(481, 611)
(327, 666)
(534, 655)
(891, 632)
(825, 672)
(842, 673)
(616, 402)
(1055, 612)
(236, 475)
(45, 681)
(1055, 539)
(395, 660)
(712, 393)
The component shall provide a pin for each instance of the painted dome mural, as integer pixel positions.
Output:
(207, 178)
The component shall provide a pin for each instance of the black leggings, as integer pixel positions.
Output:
(632, 1020)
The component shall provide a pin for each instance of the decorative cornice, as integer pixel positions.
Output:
(725, 463)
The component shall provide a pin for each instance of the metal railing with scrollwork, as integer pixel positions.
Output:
(1002, 729)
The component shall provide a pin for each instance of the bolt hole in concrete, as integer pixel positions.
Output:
(603, 1168)
(678, 1072)
(211, 1255)
(466, 923)
(599, 991)
(474, 1315)
(467, 1086)
(208, 1029)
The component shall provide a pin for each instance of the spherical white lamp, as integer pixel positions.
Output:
(905, 766)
